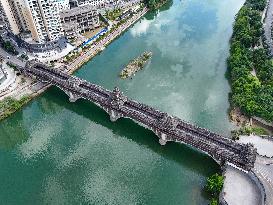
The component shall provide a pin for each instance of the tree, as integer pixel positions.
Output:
(253, 95)
(213, 201)
(215, 184)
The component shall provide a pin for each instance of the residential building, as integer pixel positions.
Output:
(45, 20)
(41, 18)
(79, 19)
(9, 13)
(63, 5)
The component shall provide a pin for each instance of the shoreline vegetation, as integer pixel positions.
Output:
(214, 186)
(250, 68)
(135, 65)
(248, 130)
(10, 105)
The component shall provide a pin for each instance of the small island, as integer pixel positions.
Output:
(135, 65)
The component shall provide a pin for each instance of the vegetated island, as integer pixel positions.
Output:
(135, 65)
(155, 4)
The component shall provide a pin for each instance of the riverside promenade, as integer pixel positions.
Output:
(98, 47)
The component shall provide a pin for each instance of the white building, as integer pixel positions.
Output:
(45, 20)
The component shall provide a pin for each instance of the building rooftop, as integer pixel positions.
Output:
(70, 25)
(77, 10)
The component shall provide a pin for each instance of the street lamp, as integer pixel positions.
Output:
(4, 73)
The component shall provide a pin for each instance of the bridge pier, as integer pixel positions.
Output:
(162, 137)
(162, 142)
(114, 116)
(72, 97)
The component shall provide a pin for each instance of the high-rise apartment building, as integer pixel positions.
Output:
(40, 17)
(10, 14)
(45, 18)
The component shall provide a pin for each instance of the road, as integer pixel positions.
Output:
(264, 171)
(268, 26)
(12, 58)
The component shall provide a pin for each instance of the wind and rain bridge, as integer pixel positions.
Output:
(166, 127)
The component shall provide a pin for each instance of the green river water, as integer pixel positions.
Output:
(56, 152)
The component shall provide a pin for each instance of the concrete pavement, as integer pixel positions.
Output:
(239, 189)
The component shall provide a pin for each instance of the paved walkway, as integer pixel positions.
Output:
(51, 55)
(6, 82)
(97, 47)
(264, 171)
(239, 187)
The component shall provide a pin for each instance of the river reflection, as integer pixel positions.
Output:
(56, 152)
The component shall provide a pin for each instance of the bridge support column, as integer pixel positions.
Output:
(162, 137)
(162, 142)
(72, 97)
(114, 116)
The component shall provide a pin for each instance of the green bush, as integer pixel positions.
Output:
(247, 131)
(8, 47)
(215, 184)
(213, 201)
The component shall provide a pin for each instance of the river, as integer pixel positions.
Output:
(56, 152)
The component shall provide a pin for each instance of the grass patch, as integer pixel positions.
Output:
(248, 130)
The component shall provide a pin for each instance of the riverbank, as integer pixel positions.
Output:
(10, 105)
(155, 4)
(249, 66)
(34, 89)
(100, 46)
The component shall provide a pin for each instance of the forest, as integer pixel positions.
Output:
(250, 68)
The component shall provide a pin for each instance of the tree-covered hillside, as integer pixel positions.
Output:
(250, 67)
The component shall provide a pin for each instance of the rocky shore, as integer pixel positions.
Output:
(135, 65)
